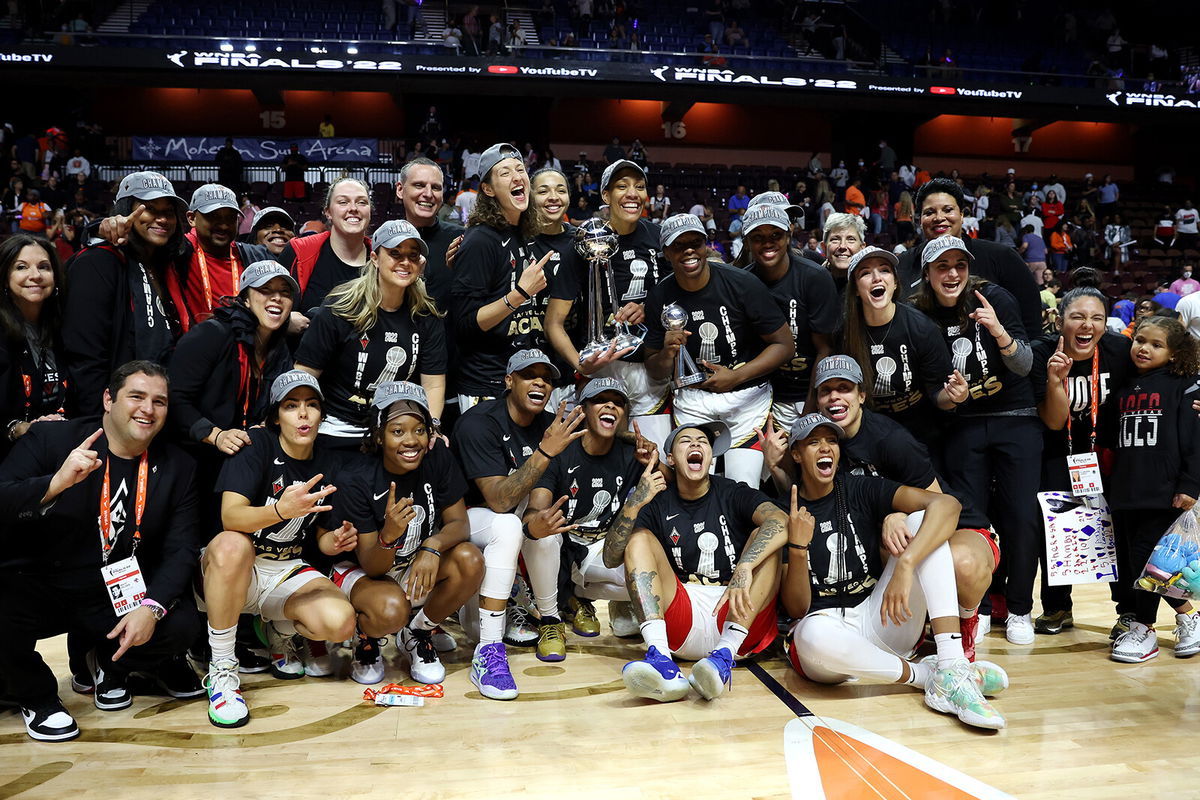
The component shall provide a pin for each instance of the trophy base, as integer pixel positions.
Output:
(684, 381)
(592, 350)
(626, 341)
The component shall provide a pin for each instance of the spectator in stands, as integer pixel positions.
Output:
(33, 216)
(496, 34)
(1055, 185)
(701, 211)
(660, 204)
(1005, 233)
(1061, 247)
(1052, 209)
(472, 32)
(1033, 217)
(614, 152)
(1188, 309)
(78, 164)
(464, 201)
(908, 174)
(637, 153)
(295, 185)
(1033, 250)
(1115, 46)
(824, 202)
(453, 38)
(737, 204)
(855, 200)
(1164, 229)
(1186, 230)
(580, 211)
(839, 175)
(1034, 197)
(515, 39)
(1185, 284)
(886, 161)
(815, 167)
(735, 36)
(1107, 194)
(714, 18)
(273, 228)
(1117, 239)
(229, 166)
(1008, 204)
(903, 213)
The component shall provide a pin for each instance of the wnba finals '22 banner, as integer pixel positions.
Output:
(203, 148)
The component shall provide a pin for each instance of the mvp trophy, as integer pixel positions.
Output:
(674, 318)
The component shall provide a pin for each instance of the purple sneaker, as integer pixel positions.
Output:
(655, 677)
(712, 675)
(490, 673)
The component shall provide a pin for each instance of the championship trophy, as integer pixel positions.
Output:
(595, 242)
(674, 318)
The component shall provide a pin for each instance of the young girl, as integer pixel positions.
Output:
(1154, 473)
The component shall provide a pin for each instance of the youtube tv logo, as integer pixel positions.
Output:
(500, 69)
(942, 90)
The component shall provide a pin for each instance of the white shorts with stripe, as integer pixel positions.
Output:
(271, 584)
(743, 410)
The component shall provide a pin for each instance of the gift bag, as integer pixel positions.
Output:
(1173, 569)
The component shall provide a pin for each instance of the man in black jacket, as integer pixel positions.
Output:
(121, 576)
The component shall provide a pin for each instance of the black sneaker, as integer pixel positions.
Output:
(178, 679)
(249, 660)
(49, 722)
(111, 693)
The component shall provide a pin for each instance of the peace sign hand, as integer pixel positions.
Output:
(985, 317)
(550, 521)
(298, 500)
(773, 442)
(650, 484)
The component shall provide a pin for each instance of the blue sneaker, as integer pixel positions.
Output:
(712, 675)
(490, 672)
(655, 677)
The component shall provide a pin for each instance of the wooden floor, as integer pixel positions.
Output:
(1078, 724)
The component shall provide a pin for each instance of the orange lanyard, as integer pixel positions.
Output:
(234, 272)
(431, 690)
(106, 540)
(1095, 385)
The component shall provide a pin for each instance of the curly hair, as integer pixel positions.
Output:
(488, 211)
(1185, 350)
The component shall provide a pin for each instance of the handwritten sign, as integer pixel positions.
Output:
(1080, 547)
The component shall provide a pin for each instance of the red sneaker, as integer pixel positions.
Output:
(969, 627)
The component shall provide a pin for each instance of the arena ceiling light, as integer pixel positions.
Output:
(352, 50)
(251, 47)
(226, 47)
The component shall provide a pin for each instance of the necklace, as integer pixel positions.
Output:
(883, 338)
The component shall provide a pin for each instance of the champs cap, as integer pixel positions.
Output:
(597, 386)
(610, 172)
(803, 427)
(717, 433)
(260, 273)
(870, 252)
(777, 199)
(832, 367)
(410, 397)
(762, 214)
(674, 227)
(940, 245)
(147, 186)
(394, 231)
(494, 155)
(291, 380)
(527, 358)
(269, 213)
(211, 196)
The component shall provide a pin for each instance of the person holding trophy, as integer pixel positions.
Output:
(738, 337)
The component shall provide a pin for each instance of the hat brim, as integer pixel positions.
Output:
(802, 435)
(758, 223)
(670, 238)
(717, 432)
(396, 241)
(208, 209)
(295, 287)
(266, 218)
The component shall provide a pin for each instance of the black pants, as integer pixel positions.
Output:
(1138, 531)
(40, 605)
(996, 462)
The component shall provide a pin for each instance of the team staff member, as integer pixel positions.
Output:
(805, 294)
(272, 495)
(993, 448)
(498, 296)
(126, 298)
(51, 486)
(413, 558)
(272, 228)
(941, 203)
(738, 335)
(379, 327)
(843, 236)
(575, 501)
(637, 267)
(1075, 376)
(858, 617)
(719, 536)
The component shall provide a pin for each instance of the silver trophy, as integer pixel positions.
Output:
(674, 318)
(596, 242)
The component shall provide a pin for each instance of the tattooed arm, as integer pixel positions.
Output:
(650, 484)
(768, 538)
(502, 494)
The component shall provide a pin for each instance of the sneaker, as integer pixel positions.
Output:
(81, 683)
(983, 628)
(582, 616)
(490, 672)
(624, 622)
(1187, 635)
(423, 663)
(177, 678)
(1122, 625)
(955, 690)
(969, 628)
(111, 692)
(552, 640)
(655, 677)
(521, 629)
(250, 662)
(1136, 645)
(990, 678)
(318, 661)
(442, 641)
(713, 674)
(367, 665)
(1054, 623)
(226, 706)
(1019, 629)
(49, 722)
(285, 654)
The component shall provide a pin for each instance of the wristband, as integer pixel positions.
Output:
(276, 507)
(156, 609)
(543, 452)
(437, 553)
(1011, 342)
(522, 292)
(386, 545)
(803, 547)
(510, 305)
(11, 429)
(525, 530)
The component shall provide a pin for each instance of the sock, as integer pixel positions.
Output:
(491, 626)
(548, 606)
(732, 636)
(919, 673)
(967, 613)
(949, 648)
(222, 643)
(654, 632)
(421, 622)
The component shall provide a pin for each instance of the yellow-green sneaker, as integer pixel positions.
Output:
(1054, 623)
(582, 616)
(955, 690)
(552, 640)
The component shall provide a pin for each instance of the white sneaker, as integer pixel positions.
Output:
(624, 622)
(1187, 634)
(285, 654)
(1019, 629)
(367, 665)
(955, 690)
(520, 628)
(318, 661)
(984, 627)
(423, 663)
(1136, 645)
(226, 706)
(442, 641)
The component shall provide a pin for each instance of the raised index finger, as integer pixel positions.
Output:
(1059, 349)
(91, 440)
(795, 495)
(982, 299)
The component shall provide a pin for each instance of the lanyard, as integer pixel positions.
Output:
(106, 540)
(233, 271)
(1095, 386)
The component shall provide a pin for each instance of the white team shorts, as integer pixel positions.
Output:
(646, 395)
(347, 573)
(743, 410)
(271, 584)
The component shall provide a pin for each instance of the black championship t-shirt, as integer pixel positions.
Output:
(844, 563)
(703, 538)
(560, 246)
(911, 363)
(487, 267)
(362, 497)
(808, 299)
(328, 272)
(975, 353)
(398, 348)
(595, 486)
(488, 443)
(261, 472)
(438, 276)
(637, 267)
(728, 317)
